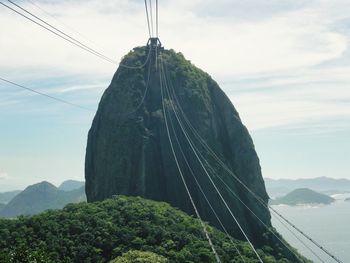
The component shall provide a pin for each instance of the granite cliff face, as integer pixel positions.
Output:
(128, 150)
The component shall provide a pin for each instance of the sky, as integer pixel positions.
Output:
(285, 65)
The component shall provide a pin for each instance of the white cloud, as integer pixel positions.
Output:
(3, 175)
(72, 88)
(277, 46)
(281, 43)
(302, 104)
(223, 47)
(8, 102)
(83, 87)
(29, 48)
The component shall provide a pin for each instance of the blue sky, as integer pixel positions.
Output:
(284, 65)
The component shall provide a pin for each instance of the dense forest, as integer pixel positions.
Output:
(121, 229)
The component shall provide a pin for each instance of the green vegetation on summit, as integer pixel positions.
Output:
(135, 256)
(119, 229)
(303, 196)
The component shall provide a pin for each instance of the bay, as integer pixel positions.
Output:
(329, 225)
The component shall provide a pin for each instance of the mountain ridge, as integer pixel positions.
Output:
(7, 196)
(69, 185)
(328, 185)
(40, 197)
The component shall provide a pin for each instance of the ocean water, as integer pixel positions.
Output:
(329, 225)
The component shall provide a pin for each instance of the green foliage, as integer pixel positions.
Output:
(22, 254)
(135, 256)
(101, 231)
(195, 84)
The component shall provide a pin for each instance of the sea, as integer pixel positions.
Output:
(329, 225)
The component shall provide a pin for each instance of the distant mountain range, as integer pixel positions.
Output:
(42, 196)
(8, 196)
(70, 185)
(303, 196)
(280, 187)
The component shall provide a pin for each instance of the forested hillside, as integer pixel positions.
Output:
(119, 228)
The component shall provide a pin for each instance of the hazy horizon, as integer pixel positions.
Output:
(82, 180)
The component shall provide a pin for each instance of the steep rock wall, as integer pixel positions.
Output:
(128, 150)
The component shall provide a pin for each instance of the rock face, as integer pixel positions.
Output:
(128, 150)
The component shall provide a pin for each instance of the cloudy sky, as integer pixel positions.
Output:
(284, 64)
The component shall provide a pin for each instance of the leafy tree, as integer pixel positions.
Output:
(135, 256)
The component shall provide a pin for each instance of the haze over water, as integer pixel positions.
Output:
(328, 225)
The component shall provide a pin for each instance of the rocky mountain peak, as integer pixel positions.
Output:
(128, 150)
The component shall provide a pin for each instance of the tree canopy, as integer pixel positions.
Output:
(112, 230)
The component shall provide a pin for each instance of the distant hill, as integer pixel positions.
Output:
(40, 197)
(2, 206)
(70, 185)
(280, 187)
(8, 196)
(303, 196)
(347, 199)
